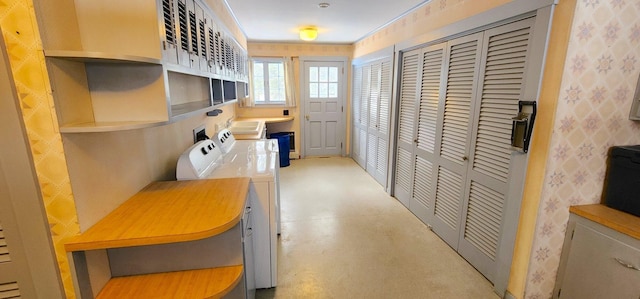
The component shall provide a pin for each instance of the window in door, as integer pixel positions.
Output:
(323, 82)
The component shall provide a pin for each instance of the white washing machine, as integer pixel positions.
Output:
(204, 160)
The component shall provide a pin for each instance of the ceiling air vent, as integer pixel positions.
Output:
(182, 16)
(169, 19)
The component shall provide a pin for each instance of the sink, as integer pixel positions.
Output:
(245, 127)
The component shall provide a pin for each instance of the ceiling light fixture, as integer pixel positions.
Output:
(323, 5)
(308, 33)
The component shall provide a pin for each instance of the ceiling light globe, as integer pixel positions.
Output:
(308, 34)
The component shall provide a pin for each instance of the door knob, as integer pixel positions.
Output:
(465, 158)
(307, 116)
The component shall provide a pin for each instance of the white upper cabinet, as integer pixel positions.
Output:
(122, 64)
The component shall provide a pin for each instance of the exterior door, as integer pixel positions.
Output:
(324, 106)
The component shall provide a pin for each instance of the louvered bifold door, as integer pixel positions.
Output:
(364, 114)
(356, 102)
(372, 138)
(410, 67)
(431, 92)
(8, 273)
(384, 117)
(505, 54)
(454, 135)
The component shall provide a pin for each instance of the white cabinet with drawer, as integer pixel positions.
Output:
(600, 257)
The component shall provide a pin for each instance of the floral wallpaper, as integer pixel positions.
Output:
(599, 80)
(24, 49)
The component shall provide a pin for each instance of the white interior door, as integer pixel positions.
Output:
(324, 105)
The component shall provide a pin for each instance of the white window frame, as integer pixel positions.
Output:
(267, 101)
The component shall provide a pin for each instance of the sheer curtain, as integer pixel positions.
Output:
(289, 82)
(248, 101)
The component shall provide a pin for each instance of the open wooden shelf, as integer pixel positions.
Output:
(168, 212)
(202, 283)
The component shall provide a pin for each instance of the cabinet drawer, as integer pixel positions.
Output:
(595, 267)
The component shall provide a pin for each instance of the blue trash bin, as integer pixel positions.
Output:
(283, 146)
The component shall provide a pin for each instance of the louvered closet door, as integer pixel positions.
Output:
(372, 140)
(454, 135)
(382, 126)
(431, 91)
(410, 68)
(505, 55)
(356, 102)
(364, 114)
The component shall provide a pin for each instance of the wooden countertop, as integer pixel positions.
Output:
(620, 221)
(204, 283)
(267, 120)
(168, 212)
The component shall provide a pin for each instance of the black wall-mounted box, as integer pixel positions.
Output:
(622, 183)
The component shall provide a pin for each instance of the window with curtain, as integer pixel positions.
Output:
(271, 82)
(268, 82)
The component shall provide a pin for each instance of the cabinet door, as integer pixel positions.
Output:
(182, 11)
(200, 56)
(170, 38)
(592, 270)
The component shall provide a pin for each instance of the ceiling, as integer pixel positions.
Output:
(344, 21)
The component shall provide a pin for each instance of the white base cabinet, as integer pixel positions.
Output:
(598, 261)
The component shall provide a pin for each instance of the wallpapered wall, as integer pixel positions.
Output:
(599, 79)
(20, 31)
(24, 47)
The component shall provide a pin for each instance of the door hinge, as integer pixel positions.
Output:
(572, 233)
(343, 70)
(342, 108)
(340, 145)
(559, 291)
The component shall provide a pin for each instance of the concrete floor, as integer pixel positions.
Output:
(344, 237)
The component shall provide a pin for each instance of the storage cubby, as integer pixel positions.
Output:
(216, 87)
(229, 89)
(125, 65)
(188, 93)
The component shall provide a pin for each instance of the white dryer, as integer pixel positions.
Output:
(252, 159)
(233, 149)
